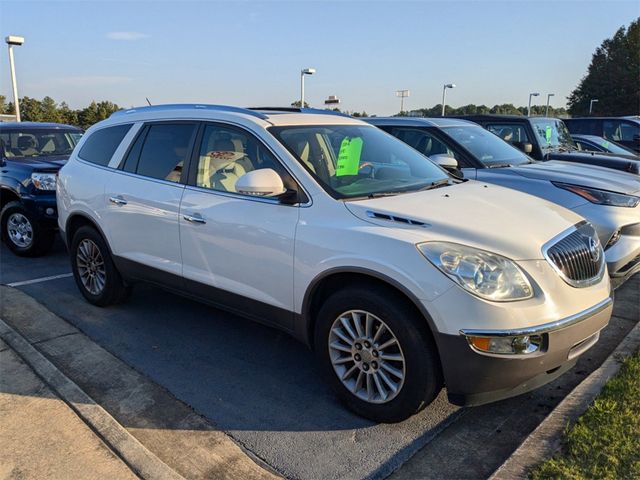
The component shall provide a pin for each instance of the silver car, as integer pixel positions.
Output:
(607, 198)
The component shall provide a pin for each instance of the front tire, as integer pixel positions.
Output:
(22, 233)
(377, 353)
(94, 271)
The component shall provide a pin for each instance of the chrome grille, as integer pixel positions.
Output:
(577, 256)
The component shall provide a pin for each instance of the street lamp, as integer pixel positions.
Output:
(444, 93)
(549, 95)
(303, 72)
(402, 94)
(593, 100)
(529, 107)
(11, 41)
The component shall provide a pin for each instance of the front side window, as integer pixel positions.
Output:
(552, 134)
(423, 141)
(40, 142)
(620, 131)
(486, 147)
(512, 133)
(102, 144)
(165, 151)
(352, 161)
(228, 153)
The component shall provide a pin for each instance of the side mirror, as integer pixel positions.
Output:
(445, 161)
(525, 147)
(264, 182)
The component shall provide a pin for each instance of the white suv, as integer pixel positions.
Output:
(401, 278)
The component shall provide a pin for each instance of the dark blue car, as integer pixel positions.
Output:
(30, 156)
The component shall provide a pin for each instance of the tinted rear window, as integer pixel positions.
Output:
(165, 150)
(101, 145)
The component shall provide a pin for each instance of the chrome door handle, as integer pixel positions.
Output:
(118, 200)
(197, 218)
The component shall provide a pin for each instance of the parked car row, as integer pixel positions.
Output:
(404, 275)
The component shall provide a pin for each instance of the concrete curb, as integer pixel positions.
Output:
(545, 440)
(126, 446)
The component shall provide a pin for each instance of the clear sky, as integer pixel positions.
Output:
(250, 53)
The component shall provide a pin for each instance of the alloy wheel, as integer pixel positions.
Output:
(20, 230)
(91, 267)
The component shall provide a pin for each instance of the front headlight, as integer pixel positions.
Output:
(44, 181)
(485, 274)
(601, 197)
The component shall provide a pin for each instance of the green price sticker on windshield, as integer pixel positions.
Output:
(547, 134)
(349, 157)
(605, 144)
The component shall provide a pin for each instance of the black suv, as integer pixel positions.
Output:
(30, 156)
(547, 139)
(622, 130)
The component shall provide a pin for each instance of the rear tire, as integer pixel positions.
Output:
(22, 233)
(410, 364)
(95, 273)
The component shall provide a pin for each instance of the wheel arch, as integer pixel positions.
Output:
(321, 285)
(77, 220)
(8, 195)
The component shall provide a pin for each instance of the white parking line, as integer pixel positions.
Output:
(39, 280)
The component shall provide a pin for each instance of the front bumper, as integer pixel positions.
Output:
(43, 207)
(474, 378)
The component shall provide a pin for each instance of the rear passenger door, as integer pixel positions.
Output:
(143, 202)
(237, 250)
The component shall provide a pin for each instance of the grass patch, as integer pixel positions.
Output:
(605, 441)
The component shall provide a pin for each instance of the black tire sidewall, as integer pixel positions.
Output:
(423, 377)
(42, 237)
(114, 289)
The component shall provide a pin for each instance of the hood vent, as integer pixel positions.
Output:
(394, 218)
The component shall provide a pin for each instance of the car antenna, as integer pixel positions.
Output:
(147, 99)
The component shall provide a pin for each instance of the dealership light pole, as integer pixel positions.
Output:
(402, 94)
(303, 72)
(11, 41)
(444, 94)
(535, 94)
(593, 100)
(549, 95)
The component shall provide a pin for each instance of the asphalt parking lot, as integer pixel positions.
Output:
(262, 387)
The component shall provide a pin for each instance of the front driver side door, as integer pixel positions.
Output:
(237, 250)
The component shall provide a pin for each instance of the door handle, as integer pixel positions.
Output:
(197, 218)
(118, 200)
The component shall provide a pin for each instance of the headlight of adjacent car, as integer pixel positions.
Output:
(601, 197)
(44, 181)
(485, 274)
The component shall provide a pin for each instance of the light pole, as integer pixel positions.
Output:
(402, 94)
(303, 72)
(549, 95)
(529, 107)
(11, 41)
(444, 93)
(593, 100)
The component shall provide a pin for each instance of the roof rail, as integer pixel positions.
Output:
(188, 106)
(298, 110)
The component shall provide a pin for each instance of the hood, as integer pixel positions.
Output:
(53, 162)
(590, 158)
(581, 174)
(500, 220)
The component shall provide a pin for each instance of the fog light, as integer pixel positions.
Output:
(520, 345)
(614, 239)
(49, 211)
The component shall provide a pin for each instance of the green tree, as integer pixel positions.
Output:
(613, 77)
(49, 110)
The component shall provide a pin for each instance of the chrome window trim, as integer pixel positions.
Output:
(567, 280)
(546, 327)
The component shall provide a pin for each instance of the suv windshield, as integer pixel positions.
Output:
(359, 161)
(552, 134)
(486, 147)
(38, 142)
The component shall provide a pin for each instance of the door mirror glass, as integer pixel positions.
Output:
(445, 161)
(264, 182)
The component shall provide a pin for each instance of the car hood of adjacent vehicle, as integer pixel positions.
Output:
(625, 164)
(578, 174)
(493, 218)
(49, 162)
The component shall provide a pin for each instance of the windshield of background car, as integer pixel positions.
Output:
(358, 161)
(552, 133)
(38, 142)
(485, 146)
